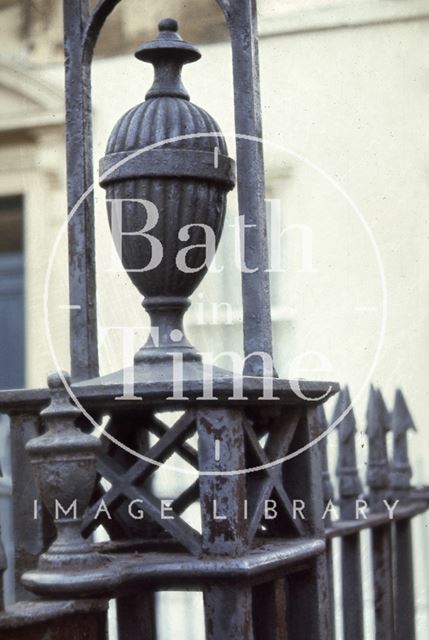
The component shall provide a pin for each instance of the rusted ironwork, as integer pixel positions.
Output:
(82, 284)
(31, 534)
(233, 553)
(378, 423)
(400, 478)
(350, 490)
(82, 33)
(241, 18)
(56, 620)
(64, 464)
(329, 503)
(266, 570)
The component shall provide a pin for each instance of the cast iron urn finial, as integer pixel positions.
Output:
(166, 173)
(64, 466)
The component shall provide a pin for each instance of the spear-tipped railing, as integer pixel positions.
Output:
(385, 506)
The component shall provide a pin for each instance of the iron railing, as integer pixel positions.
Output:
(248, 440)
(268, 590)
(384, 505)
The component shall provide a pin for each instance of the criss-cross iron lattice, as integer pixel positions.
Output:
(261, 577)
(132, 483)
(128, 484)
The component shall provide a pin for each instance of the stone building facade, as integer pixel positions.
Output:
(345, 103)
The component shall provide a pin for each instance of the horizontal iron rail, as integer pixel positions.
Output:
(179, 571)
(348, 527)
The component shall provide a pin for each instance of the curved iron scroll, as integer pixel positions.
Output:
(93, 27)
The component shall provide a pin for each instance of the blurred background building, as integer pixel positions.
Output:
(345, 92)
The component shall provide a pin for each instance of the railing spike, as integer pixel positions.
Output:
(350, 486)
(378, 423)
(378, 417)
(385, 413)
(347, 426)
(402, 421)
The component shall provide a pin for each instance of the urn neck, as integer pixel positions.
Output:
(167, 335)
(167, 81)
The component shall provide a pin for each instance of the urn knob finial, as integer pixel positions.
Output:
(168, 53)
(168, 24)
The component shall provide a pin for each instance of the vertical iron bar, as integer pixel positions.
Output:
(269, 611)
(350, 489)
(308, 610)
(381, 538)
(400, 478)
(241, 18)
(383, 582)
(328, 498)
(403, 577)
(3, 561)
(135, 615)
(308, 613)
(135, 612)
(3, 567)
(82, 285)
(228, 612)
(228, 608)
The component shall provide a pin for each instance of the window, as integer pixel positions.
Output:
(11, 233)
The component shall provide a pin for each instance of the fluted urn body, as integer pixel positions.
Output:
(166, 174)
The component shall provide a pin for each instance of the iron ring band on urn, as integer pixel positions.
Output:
(168, 163)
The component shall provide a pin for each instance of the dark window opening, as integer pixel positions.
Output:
(11, 224)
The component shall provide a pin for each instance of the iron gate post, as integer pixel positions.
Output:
(170, 155)
(264, 568)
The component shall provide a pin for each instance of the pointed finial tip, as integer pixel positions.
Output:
(401, 416)
(57, 378)
(168, 24)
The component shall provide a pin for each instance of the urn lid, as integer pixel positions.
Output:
(168, 40)
(167, 135)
